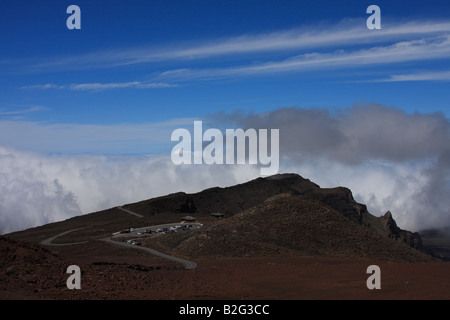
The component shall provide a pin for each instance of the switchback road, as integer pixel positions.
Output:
(186, 263)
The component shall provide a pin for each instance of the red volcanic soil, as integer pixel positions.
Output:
(29, 271)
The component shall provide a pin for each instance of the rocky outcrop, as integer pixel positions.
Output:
(394, 232)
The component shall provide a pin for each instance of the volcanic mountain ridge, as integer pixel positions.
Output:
(283, 214)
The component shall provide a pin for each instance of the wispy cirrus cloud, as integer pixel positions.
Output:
(405, 51)
(349, 32)
(42, 86)
(97, 86)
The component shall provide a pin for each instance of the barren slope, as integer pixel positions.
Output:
(287, 225)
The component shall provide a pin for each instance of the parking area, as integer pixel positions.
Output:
(156, 230)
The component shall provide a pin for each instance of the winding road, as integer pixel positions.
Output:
(48, 242)
(186, 263)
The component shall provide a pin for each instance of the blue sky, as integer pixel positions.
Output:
(154, 61)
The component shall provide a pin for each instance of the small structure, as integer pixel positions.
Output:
(188, 219)
(218, 215)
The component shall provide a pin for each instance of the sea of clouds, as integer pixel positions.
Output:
(390, 159)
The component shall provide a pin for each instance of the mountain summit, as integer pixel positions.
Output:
(235, 199)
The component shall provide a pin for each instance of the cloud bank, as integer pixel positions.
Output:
(36, 189)
(391, 160)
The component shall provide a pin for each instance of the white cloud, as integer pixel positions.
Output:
(405, 51)
(391, 160)
(36, 189)
(382, 186)
(321, 47)
(324, 35)
(422, 76)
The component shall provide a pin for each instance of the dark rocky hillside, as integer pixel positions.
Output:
(233, 200)
(287, 225)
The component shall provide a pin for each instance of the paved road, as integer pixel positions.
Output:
(48, 242)
(186, 263)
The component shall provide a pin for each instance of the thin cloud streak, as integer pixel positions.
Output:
(22, 112)
(96, 86)
(406, 51)
(342, 34)
(424, 76)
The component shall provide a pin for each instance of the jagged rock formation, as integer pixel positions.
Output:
(394, 232)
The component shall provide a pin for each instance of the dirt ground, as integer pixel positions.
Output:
(29, 271)
(110, 272)
(292, 278)
(306, 278)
